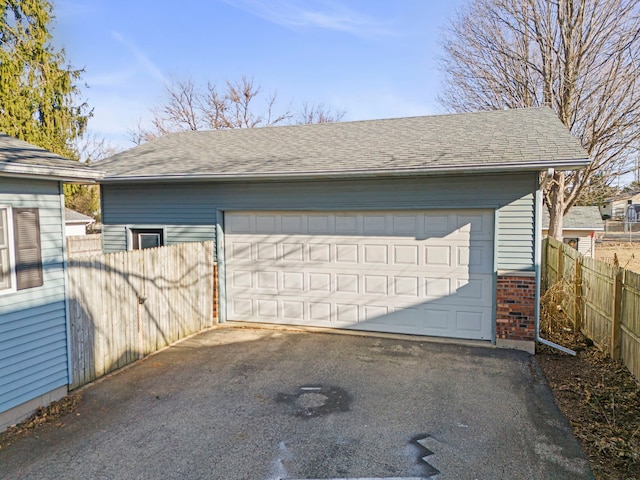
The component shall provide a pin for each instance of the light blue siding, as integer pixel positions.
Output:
(189, 210)
(33, 340)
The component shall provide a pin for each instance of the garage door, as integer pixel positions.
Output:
(416, 272)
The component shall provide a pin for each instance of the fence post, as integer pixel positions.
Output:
(577, 291)
(617, 315)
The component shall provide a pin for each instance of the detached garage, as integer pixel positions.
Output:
(423, 225)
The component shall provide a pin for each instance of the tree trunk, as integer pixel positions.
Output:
(555, 204)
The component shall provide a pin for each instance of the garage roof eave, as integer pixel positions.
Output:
(570, 164)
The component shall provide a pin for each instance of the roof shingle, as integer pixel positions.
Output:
(22, 158)
(524, 138)
(578, 218)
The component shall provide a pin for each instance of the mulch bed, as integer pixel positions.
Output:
(54, 413)
(601, 399)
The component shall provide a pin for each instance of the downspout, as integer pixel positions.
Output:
(537, 261)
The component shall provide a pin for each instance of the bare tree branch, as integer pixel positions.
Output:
(318, 113)
(580, 57)
(239, 104)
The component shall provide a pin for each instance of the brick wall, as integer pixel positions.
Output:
(515, 311)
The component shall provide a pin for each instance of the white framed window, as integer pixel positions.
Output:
(7, 256)
(146, 238)
(20, 249)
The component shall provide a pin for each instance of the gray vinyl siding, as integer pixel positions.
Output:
(33, 338)
(188, 211)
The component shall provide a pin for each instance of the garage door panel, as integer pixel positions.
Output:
(470, 321)
(348, 224)
(241, 250)
(437, 320)
(293, 224)
(240, 223)
(292, 310)
(320, 224)
(406, 255)
(426, 273)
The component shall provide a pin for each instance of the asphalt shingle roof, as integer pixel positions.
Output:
(72, 216)
(525, 138)
(578, 218)
(19, 157)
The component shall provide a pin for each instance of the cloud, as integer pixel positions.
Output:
(145, 62)
(321, 15)
(112, 79)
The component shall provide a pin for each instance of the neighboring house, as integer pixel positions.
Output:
(614, 208)
(76, 223)
(580, 228)
(419, 225)
(33, 319)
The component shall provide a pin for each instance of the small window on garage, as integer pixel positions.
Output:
(147, 238)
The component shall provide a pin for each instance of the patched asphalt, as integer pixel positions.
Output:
(266, 404)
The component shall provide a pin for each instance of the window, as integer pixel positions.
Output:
(20, 249)
(6, 251)
(147, 238)
(572, 242)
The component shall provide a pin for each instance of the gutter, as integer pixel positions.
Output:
(571, 164)
(537, 261)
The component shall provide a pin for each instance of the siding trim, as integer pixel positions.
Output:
(65, 274)
(219, 251)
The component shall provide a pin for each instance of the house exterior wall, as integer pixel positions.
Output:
(188, 211)
(586, 244)
(75, 229)
(33, 334)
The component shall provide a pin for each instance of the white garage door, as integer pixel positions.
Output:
(417, 272)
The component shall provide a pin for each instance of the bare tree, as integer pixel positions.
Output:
(238, 104)
(93, 148)
(580, 57)
(318, 113)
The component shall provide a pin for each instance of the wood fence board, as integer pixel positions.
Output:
(608, 297)
(630, 351)
(110, 328)
(84, 245)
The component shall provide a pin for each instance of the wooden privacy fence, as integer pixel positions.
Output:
(82, 245)
(602, 300)
(128, 304)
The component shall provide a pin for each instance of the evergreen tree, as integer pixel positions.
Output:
(37, 91)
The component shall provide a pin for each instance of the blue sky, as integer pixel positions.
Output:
(370, 58)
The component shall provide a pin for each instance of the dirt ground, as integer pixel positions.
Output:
(628, 254)
(600, 398)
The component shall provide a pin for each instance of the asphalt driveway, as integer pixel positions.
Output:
(262, 404)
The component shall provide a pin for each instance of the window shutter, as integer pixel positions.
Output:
(26, 225)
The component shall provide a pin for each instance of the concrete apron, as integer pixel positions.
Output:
(271, 404)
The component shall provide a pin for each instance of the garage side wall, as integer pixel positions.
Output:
(187, 211)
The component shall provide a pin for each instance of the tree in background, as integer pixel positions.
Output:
(238, 104)
(579, 57)
(38, 93)
(86, 198)
(598, 190)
